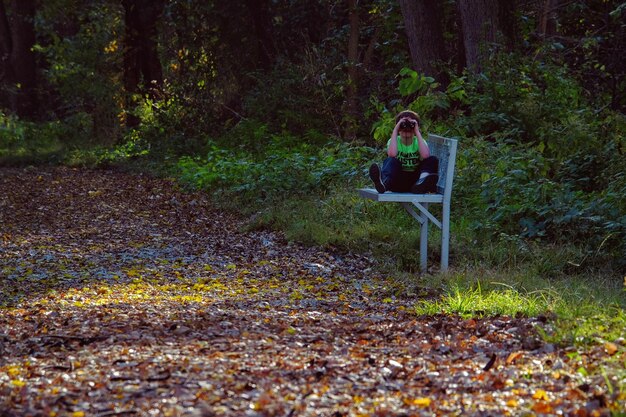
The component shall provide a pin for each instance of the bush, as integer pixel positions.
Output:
(287, 166)
(538, 159)
(517, 191)
(23, 142)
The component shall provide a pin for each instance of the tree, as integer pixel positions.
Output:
(423, 25)
(6, 46)
(353, 70)
(508, 22)
(362, 43)
(547, 17)
(262, 19)
(480, 24)
(18, 67)
(142, 66)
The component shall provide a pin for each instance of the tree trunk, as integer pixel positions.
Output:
(547, 18)
(18, 67)
(368, 56)
(479, 19)
(141, 59)
(7, 77)
(423, 25)
(353, 70)
(142, 67)
(460, 44)
(259, 9)
(508, 22)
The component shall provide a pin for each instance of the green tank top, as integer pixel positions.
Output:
(408, 155)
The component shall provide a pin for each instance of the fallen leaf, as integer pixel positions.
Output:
(421, 402)
(540, 395)
(610, 348)
(513, 357)
(511, 403)
(542, 408)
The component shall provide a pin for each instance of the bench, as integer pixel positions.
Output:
(445, 150)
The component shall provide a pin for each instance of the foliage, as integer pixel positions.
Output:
(593, 35)
(546, 163)
(299, 96)
(520, 196)
(83, 63)
(542, 145)
(423, 96)
(27, 143)
(284, 167)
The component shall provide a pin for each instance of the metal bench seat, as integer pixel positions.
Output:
(445, 150)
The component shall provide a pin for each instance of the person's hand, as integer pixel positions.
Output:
(415, 129)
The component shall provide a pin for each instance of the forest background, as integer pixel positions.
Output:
(278, 107)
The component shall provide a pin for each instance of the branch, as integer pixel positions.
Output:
(233, 111)
(117, 413)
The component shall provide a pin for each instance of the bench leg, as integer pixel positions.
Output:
(424, 241)
(445, 237)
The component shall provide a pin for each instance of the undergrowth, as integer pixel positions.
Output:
(492, 273)
(539, 192)
(584, 309)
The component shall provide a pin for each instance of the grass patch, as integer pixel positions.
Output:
(63, 142)
(582, 311)
(476, 302)
(586, 313)
(341, 220)
(491, 275)
(337, 217)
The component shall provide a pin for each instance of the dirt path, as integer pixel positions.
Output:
(121, 295)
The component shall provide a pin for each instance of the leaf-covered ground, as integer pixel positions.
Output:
(121, 295)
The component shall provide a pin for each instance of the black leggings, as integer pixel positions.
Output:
(399, 181)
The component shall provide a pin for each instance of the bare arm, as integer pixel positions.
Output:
(392, 150)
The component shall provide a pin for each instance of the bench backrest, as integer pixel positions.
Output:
(445, 150)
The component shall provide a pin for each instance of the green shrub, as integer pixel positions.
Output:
(512, 190)
(286, 167)
(538, 159)
(61, 142)
(23, 142)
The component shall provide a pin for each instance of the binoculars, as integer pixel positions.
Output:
(407, 125)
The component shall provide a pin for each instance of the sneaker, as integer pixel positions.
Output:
(426, 185)
(377, 178)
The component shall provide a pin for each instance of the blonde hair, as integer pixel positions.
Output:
(408, 113)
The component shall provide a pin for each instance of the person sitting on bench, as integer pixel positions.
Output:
(409, 166)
